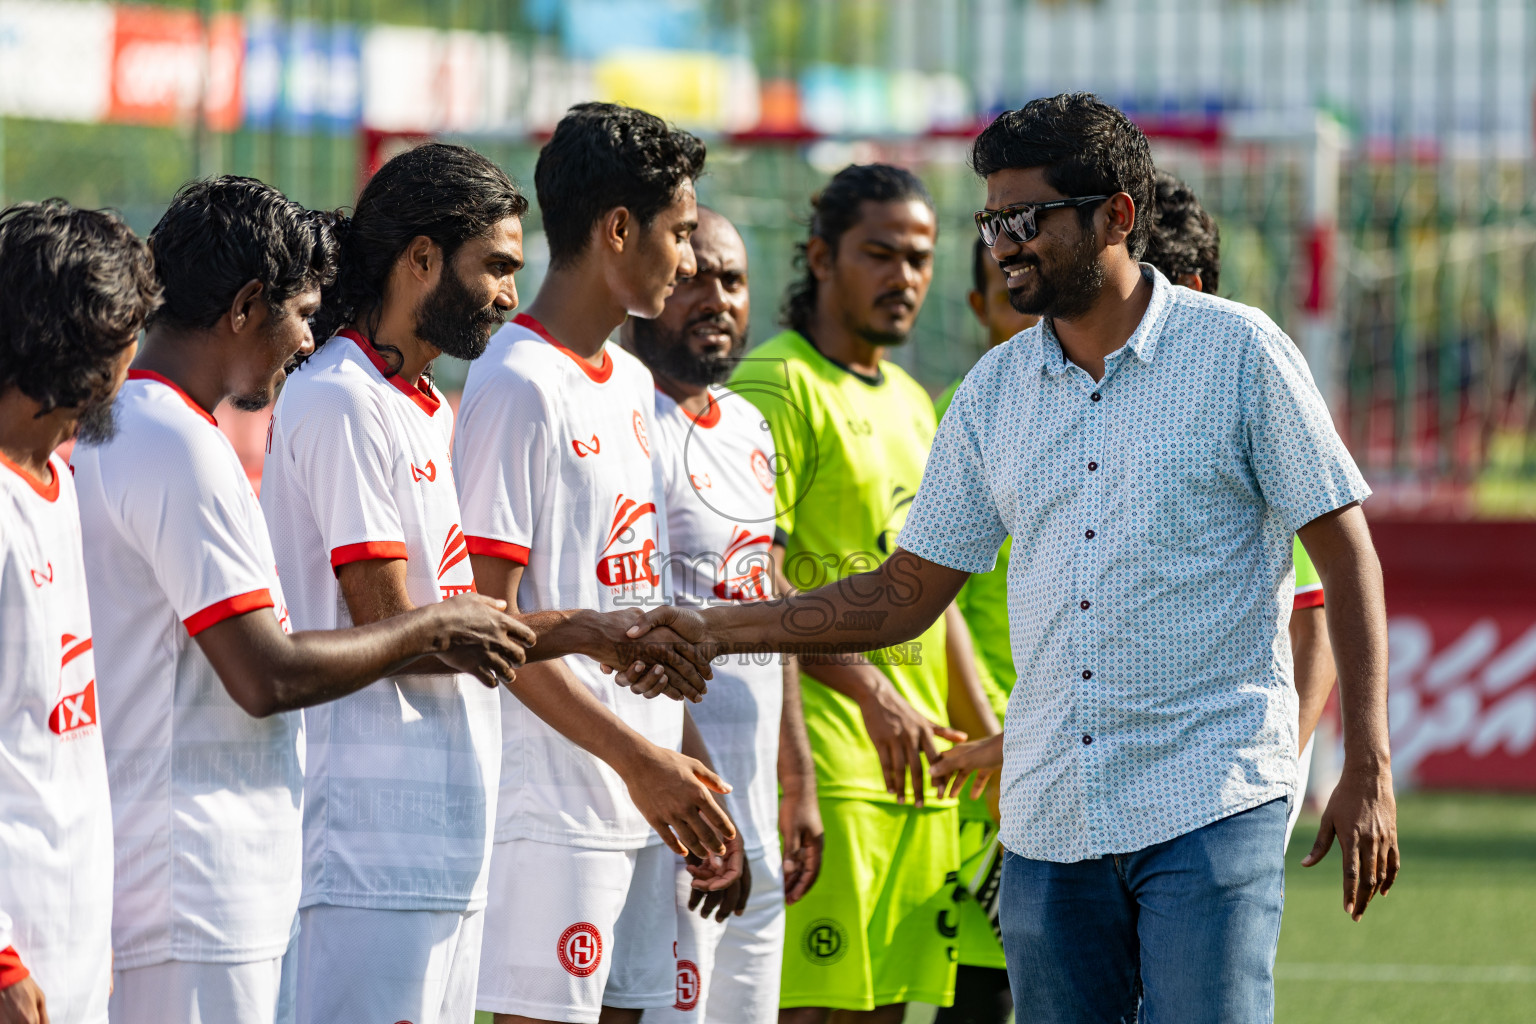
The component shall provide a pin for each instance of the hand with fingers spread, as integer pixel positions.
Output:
(721, 885)
(1362, 813)
(23, 1003)
(902, 737)
(672, 792)
(483, 640)
(979, 760)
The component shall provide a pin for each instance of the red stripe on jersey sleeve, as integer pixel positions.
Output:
(1308, 599)
(227, 608)
(12, 969)
(497, 549)
(366, 550)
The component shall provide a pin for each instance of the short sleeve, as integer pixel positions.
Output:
(1298, 459)
(501, 457)
(191, 522)
(954, 520)
(765, 382)
(340, 449)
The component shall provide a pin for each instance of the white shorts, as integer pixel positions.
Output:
(1303, 772)
(729, 971)
(386, 965)
(573, 930)
(184, 992)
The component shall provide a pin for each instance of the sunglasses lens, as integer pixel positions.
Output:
(1020, 224)
(986, 224)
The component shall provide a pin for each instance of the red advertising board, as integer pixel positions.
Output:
(158, 67)
(1461, 602)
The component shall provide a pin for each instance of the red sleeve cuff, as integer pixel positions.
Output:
(366, 550)
(12, 969)
(1309, 599)
(227, 608)
(497, 549)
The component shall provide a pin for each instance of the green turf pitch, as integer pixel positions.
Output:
(1455, 943)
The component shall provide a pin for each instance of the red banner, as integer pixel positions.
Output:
(158, 67)
(1461, 599)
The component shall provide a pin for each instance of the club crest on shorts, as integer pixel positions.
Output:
(825, 942)
(687, 985)
(580, 949)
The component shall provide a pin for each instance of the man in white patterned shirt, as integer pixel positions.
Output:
(1150, 450)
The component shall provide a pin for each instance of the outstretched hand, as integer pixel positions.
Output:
(654, 656)
(484, 641)
(978, 759)
(1362, 813)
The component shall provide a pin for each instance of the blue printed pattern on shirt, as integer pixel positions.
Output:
(1150, 580)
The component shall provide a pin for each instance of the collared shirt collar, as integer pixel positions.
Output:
(1142, 343)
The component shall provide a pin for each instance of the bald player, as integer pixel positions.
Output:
(717, 458)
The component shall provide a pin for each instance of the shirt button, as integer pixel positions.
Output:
(1094, 396)
(1087, 674)
(1087, 739)
(1083, 605)
(1092, 466)
(1089, 535)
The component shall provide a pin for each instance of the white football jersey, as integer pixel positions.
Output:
(401, 776)
(55, 812)
(205, 798)
(556, 472)
(719, 489)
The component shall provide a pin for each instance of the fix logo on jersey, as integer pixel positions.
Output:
(580, 949)
(687, 985)
(39, 579)
(583, 449)
(429, 474)
(630, 565)
(744, 567)
(455, 550)
(76, 707)
(641, 436)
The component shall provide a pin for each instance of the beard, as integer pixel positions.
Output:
(1065, 289)
(667, 352)
(98, 421)
(451, 320)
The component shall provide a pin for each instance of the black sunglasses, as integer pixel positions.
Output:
(1018, 221)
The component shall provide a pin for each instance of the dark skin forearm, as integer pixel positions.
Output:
(967, 704)
(1313, 657)
(796, 767)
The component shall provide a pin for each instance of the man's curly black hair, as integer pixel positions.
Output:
(1185, 239)
(603, 156)
(220, 233)
(1086, 147)
(76, 286)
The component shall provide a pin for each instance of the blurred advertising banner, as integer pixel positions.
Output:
(699, 89)
(303, 77)
(1461, 599)
(55, 60)
(163, 64)
(421, 81)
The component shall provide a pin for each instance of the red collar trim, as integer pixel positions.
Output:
(152, 375)
(598, 374)
(706, 419)
(48, 491)
(421, 392)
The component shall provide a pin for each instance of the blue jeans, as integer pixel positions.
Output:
(1183, 932)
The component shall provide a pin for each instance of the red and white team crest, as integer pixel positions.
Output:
(640, 435)
(76, 707)
(762, 470)
(632, 565)
(744, 567)
(580, 949)
(687, 985)
(455, 550)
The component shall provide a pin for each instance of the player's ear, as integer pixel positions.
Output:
(247, 308)
(818, 257)
(613, 229)
(1120, 218)
(978, 304)
(422, 256)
